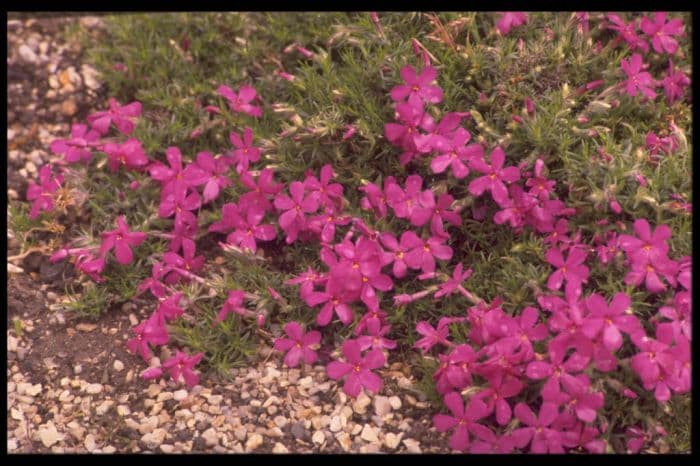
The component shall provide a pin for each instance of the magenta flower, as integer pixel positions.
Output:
(325, 224)
(674, 83)
(181, 204)
(151, 331)
(437, 212)
(423, 256)
(330, 195)
(637, 80)
(187, 263)
(121, 239)
(153, 283)
(654, 362)
(538, 433)
(610, 320)
(418, 85)
(409, 240)
(306, 280)
(358, 369)
(375, 337)
(540, 186)
(510, 19)
(233, 303)
(245, 152)
(122, 116)
(299, 345)
(678, 313)
(216, 169)
(182, 365)
(462, 420)
(494, 396)
(43, 193)
(485, 441)
(627, 32)
(558, 234)
(572, 269)
(241, 102)
(556, 370)
(175, 179)
(128, 154)
(580, 398)
(170, 308)
(431, 336)
(649, 274)
(662, 32)
(261, 191)
(91, 266)
(375, 198)
(336, 300)
(454, 282)
(292, 220)
(646, 247)
(496, 175)
(248, 229)
(77, 148)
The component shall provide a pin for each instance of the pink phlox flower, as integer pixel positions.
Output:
(248, 229)
(233, 303)
(636, 438)
(607, 252)
(361, 264)
(685, 267)
(454, 153)
(153, 283)
(180, 203)
(584, 436)
(661, 32)
(509, 20)
(441, 134)
(516, 209)
(183, 365)
(418, 85)
(411, 117)
(43, 193)
(175, 179)
(439, 211)
(292, 219)
(462, 419)
(188, 262)
(646, 247)
(558, 234)
(637, 80)
(306, 280)
(486, 441)
(538, 184)
(524, 329)
(674, 83)
(452, 284)
(121, 239)
(423, 256)
(77, 148)
(494, 396)
(570, 270)
(495, 177)
(151, 331)
(91, 266)
(375, 198)
(330, 195)
(431, 336)
(610, 320)
(581, 399)
(655, 361)
(182, 233)
(403, 202)
(538, 434)
(325, 224)
(216, 170)
(375, 337)
(261, 191)
(358, 369)
(241, 102)
(245, 152)
(299, 345)
(566, 320)
(680, 380)
(123, 117)
(336, 299)
(128, 154)
(368, 318)
(656, 145)
(230, 218)
(169, 307)
(627, 32)
(556, 370)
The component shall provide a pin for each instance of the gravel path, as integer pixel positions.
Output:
(72, 386)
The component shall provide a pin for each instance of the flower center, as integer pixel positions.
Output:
(492, 176)
(416, 88)
(426, 248)
(356, 368)
(399, 255)
(355, 265)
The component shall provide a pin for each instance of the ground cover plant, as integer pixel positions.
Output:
(501, 199)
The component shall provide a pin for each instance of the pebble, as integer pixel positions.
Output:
(391, 440)
(118, 365)
(104, 407)
(382, 406)
(109, 449)
(69, 107)
(167, 448)
(49, 435)
(318, 438)
(280, 421)
(26, 53)
(90, 443)
(253, 442)
(210, 437)
(94, 389)
(279, 448)
(395, 402)
(344, 440)
(369, 434)
(298, 430)
(155, 438)
(336, 424)
(361, 403)
(179, 395)
(33, 390)
(412, 445)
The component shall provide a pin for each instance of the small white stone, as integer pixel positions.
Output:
(167, 448)
(26, 53)
(279, 448)
(412, 445)
(94, 389)
(118, 365)
(34, 390)
(123, 410)
(49, 435)
(382, 406)
(109, 449)
(391, 440)
(210, 437)
(253, 442)
(318, 438)
(179, 395)
(336, 424)
(280, 421)
(90, 443)
(369, 434)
